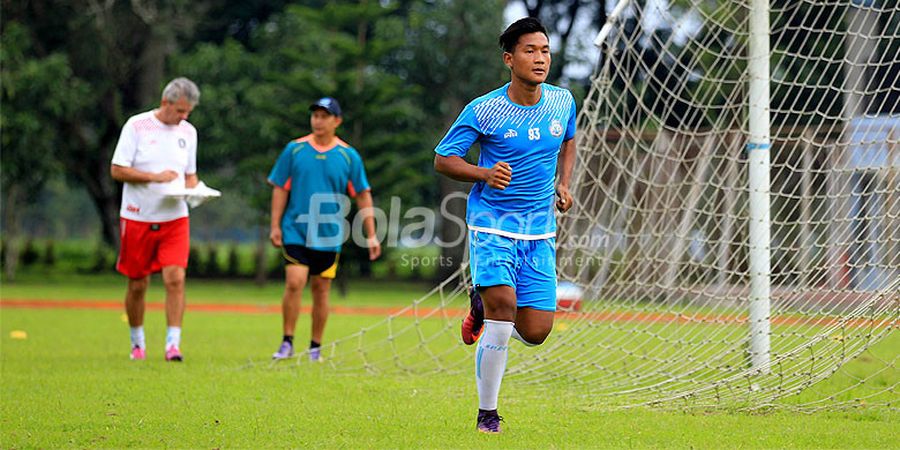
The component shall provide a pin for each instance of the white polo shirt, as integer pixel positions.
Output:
(149, 145)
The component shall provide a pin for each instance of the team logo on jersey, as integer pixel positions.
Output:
(556, 129)
(182, 143)
(510, 133)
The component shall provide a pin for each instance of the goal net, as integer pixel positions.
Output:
(675, 309)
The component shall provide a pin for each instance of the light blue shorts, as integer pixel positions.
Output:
(529, 266)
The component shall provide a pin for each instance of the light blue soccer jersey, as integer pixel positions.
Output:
(528, 138)
(318, 179)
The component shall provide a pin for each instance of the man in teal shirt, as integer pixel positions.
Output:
(310, 184)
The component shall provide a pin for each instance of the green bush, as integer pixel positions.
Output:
(226, 260)
(29, 254)
(194, 262)
(50, 254)
(234, 262)
(104, 259)
(276, 267)
(212, 269)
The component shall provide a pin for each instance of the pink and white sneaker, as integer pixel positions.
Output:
(173, 354)
(138, 354)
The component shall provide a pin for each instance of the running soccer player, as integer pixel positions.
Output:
(157, 150)
(526, 130)
(308, 207)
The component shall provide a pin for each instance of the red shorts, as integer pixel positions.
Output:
(147, 247)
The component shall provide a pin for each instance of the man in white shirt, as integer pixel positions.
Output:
(156, 153)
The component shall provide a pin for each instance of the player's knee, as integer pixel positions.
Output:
(501, 310)
(535, 338)
(320, 288)
(320, 298)
(138, 286)
(293, 286)
(174, 282)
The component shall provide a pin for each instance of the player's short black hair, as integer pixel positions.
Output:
(528, 25)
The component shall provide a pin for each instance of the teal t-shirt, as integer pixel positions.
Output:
(319, 181)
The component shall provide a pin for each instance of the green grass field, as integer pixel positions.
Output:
(70, 384)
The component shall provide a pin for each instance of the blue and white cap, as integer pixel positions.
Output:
(328, 104)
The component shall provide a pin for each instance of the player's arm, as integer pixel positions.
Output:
(449, 161)
(365, 204)
(455, 167)
(565, 165)
(279, 202)
(131, 175)
(191, 180)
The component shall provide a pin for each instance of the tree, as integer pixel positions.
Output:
(36, 93)
(256, 99)
(453, 54)
(561, 17)
(121, 49)
(401, 70)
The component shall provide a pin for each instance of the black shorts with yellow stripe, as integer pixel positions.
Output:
(323, 264)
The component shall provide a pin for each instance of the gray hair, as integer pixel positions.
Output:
(181, 87)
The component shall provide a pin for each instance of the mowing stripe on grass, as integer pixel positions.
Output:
(218, 308)
(611, 316)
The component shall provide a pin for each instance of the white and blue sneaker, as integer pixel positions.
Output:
(285, 351)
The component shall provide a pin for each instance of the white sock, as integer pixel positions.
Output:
(173, 337)
(490, 361)
(518, 337)
(137, 337)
